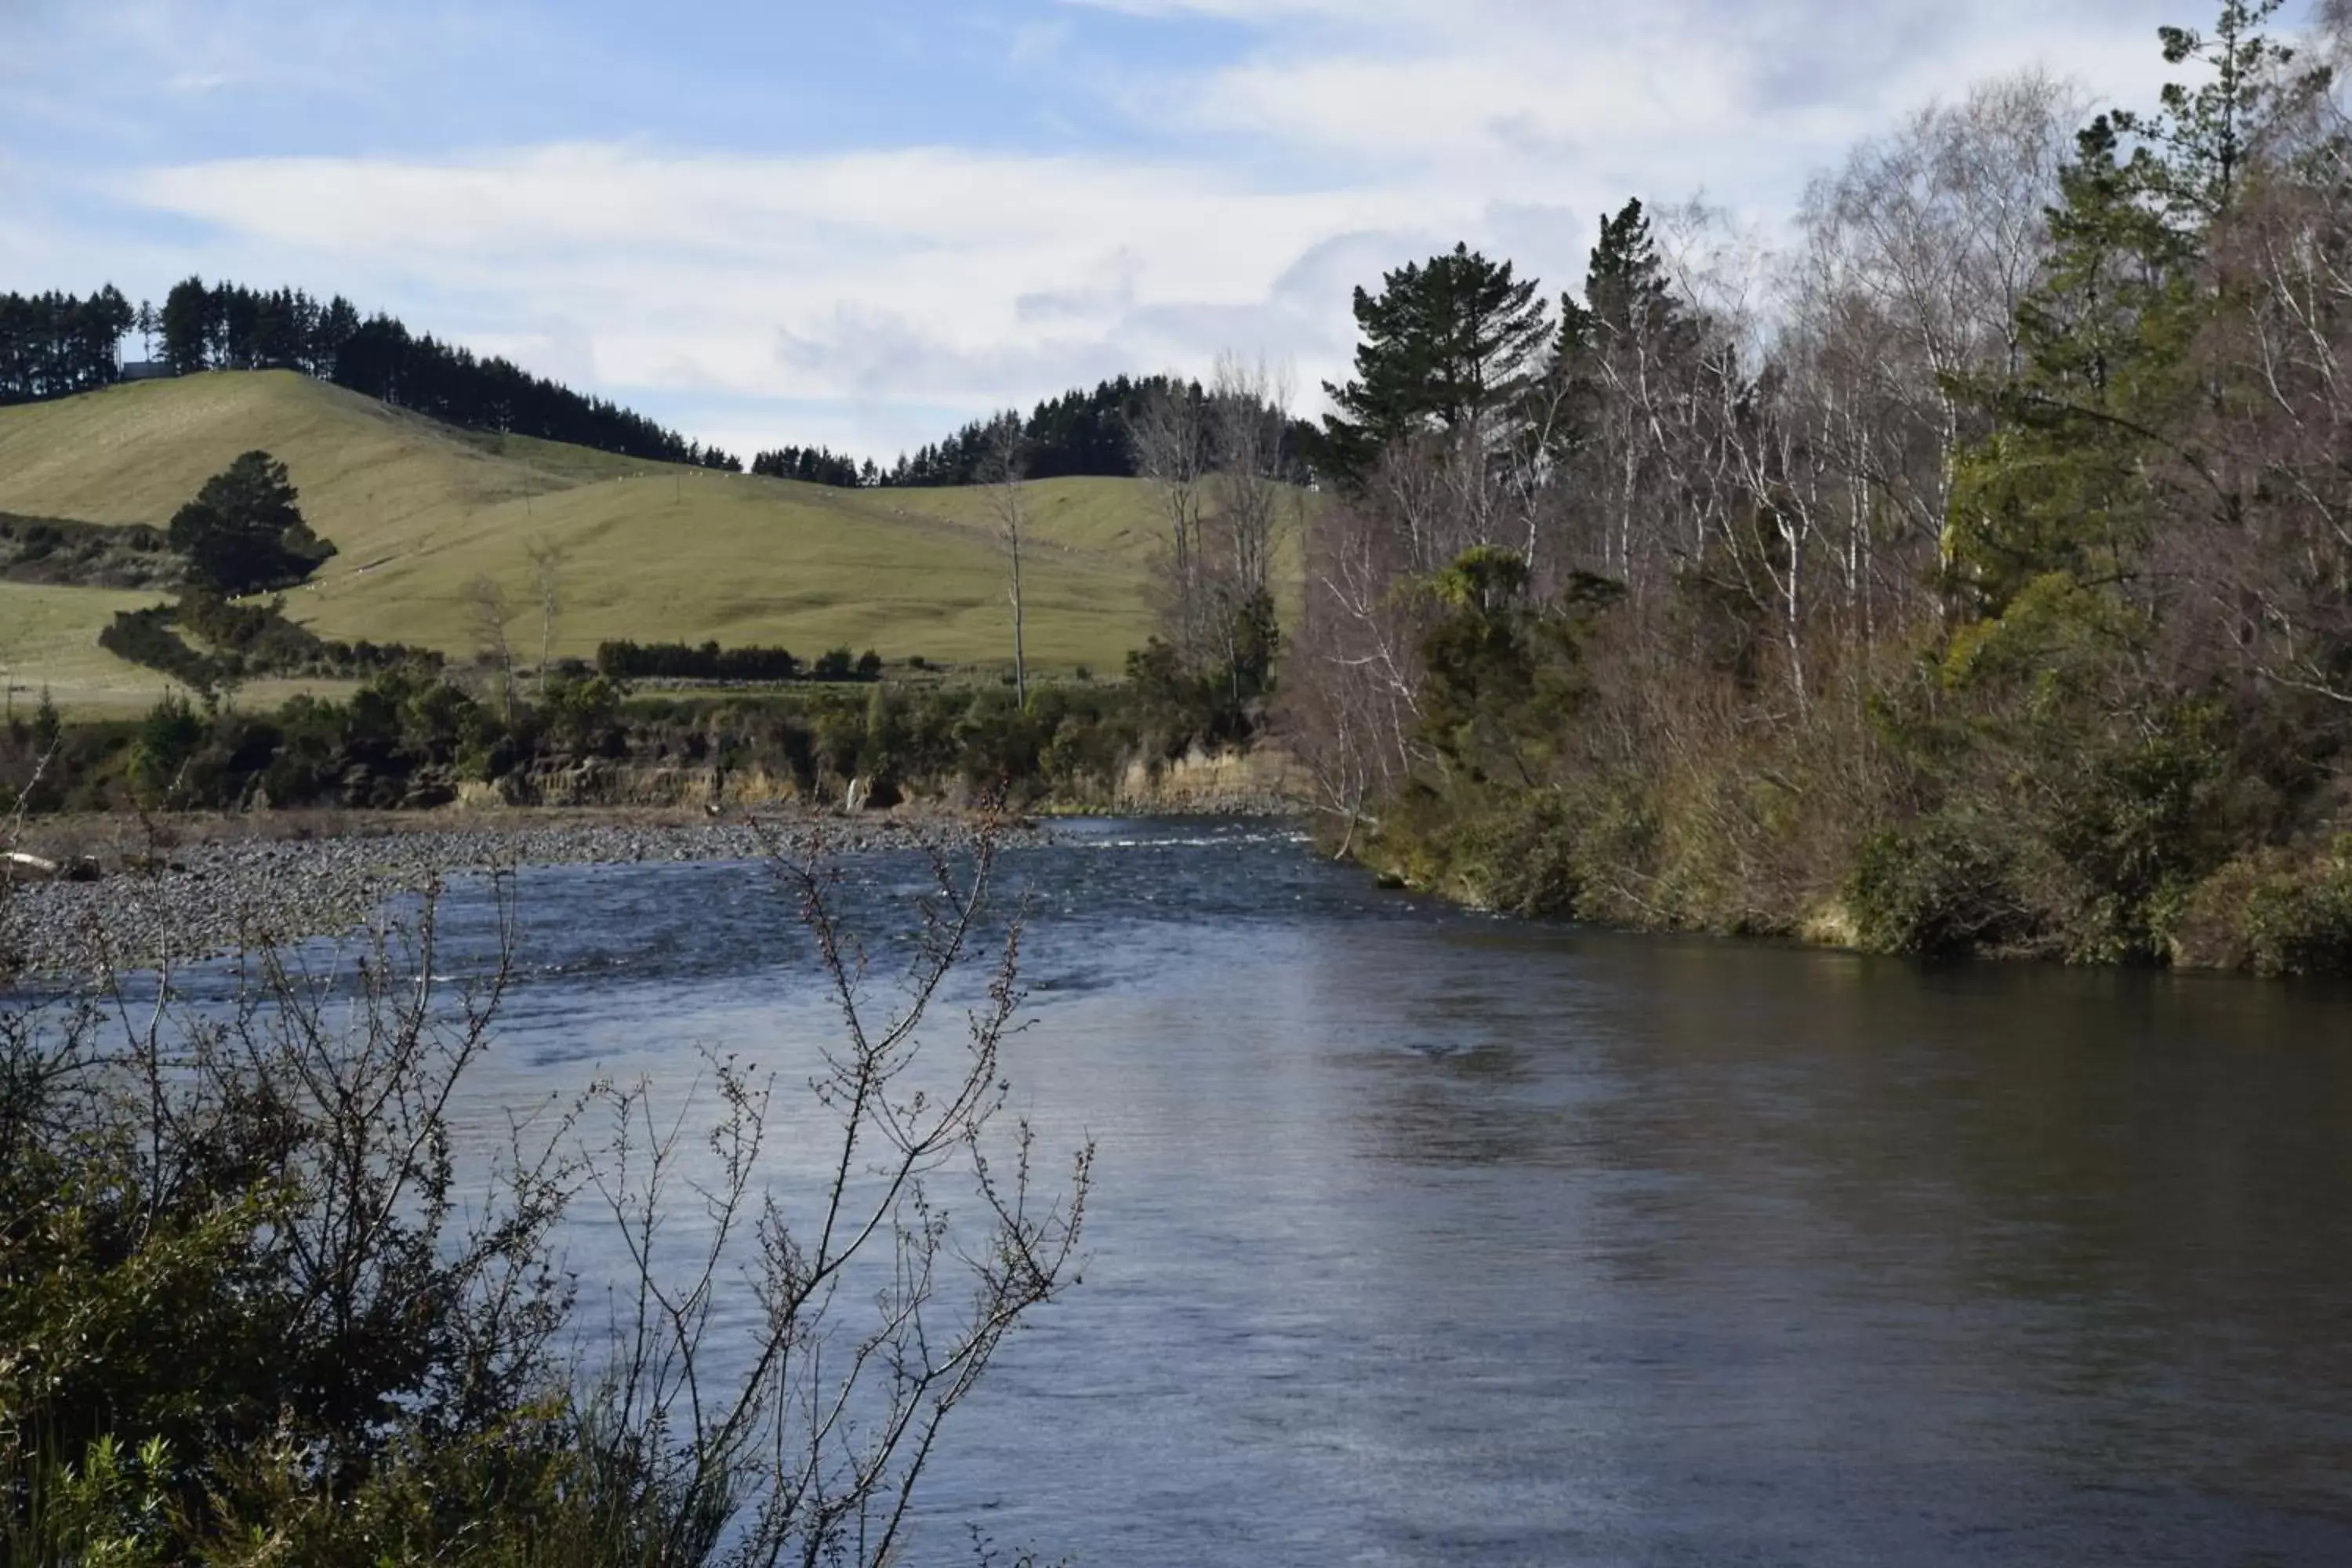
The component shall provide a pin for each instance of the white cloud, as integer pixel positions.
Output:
(865, 290)
(921, 277)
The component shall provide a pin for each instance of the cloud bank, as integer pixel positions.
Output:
(1249, 162)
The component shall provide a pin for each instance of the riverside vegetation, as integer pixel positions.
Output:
(418, 735)
(255, 1309)
(1977, 577)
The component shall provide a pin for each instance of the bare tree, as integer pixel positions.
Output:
(1005, 469)
(1249, 418)
(2256, 555)
(1916, 255)
(1171, 439)
(813, 1437)
(491, 614)
(1351, 699)
(548, 559)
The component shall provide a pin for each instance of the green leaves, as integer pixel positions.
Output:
(1445, 343)
(243, 533)
(2197, 150)
(2064, 483)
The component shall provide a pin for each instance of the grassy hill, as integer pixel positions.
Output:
(419, 512)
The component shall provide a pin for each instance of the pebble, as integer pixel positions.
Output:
(219, 897)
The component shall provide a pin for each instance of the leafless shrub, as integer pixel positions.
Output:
(324, 1301)
(812, 1433)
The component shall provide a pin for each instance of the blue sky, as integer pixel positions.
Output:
(860, 224)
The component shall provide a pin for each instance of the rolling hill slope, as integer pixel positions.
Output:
(419, 512)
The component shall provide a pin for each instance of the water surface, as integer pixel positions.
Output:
(1426, 1239)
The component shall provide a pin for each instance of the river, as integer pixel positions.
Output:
(1422, 1238)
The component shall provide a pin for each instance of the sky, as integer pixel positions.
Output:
(862, 222)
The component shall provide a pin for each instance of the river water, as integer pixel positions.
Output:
(1422, 1237)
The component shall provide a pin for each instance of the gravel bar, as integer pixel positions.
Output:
(212, 897)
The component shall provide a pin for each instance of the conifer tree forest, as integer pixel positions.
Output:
(1973, 573)
(54, 345)
(1080, 433)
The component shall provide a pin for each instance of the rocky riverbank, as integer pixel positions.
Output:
(224, 883)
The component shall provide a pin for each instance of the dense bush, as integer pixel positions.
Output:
(244, 642)
(87, 554)
(2036, 642)
(411, 738)
(145, 638)
(624, 660)
(2274, 912)
(1937, 889)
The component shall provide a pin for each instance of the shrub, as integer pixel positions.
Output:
(168, 741)
(1936, 888)
(2134, 827)
(2273, 913)
(246, 1317)
(145, 638)
(624, 660)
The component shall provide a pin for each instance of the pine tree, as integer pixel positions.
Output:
(1445, 346)
(243, 531)
(2195, 150)
(2061, 486)
(186, 325)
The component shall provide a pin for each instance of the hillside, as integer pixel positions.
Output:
(419, 511)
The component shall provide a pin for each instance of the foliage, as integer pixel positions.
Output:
(412, 737)
(838, 664)
(86, 554)
(227, 326)
(2273, 912)
(244, 641)
(1979, 588)
(1445, 343)
(2063, 484)
(243, 533)
(1082, 432)
(624, 660)
(168, 741)
(145, 638)
(581, 718)
(249, 1315)
(815, 465)
(1223, 704)
(1935, 888)
(54, 345)
(230, 1232)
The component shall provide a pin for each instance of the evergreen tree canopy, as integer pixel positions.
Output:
(2061, 483)
(2196, 148)
(244, 532)
(813, 465)
(1627, 294)
(54, 345)
(1082, 432)
(1445, 343)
